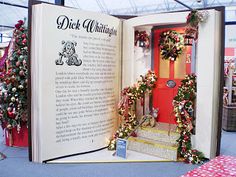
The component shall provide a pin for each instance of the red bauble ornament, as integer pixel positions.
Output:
(133, 134)
(18, 63)
(8, 81)
(9, 109)
(11, 114)
(21, 73)
(186, 138)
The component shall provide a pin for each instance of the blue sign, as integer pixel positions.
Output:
(121, 147)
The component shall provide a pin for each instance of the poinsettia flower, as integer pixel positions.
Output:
(24, 41)
(17, 26)
(21, 22)
(23, 35)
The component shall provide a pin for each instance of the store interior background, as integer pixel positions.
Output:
(17, 164)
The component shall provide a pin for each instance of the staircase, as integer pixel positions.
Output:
(158, 141)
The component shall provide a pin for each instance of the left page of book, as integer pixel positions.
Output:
(75, 79)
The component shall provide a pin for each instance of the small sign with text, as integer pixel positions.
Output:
(121, 147)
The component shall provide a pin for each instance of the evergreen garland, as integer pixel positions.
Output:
(184, 108)
(193, 20)
(171, 45)
(127, 106)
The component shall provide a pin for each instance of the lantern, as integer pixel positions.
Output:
(188, 40)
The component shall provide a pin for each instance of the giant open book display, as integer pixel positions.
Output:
(81, 60)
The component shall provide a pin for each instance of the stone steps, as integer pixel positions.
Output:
(161, 132)
(158, 141)
(152, 147)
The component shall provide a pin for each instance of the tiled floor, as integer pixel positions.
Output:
(17, 165)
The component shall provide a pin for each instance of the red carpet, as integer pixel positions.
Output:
(221, 166)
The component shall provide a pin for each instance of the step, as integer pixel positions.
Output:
(161, 132)
(152, 147)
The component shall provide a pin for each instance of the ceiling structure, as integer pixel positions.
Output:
(11, 14)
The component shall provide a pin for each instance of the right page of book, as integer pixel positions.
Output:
(205, 62)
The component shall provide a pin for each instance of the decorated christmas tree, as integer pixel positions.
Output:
(13, 90)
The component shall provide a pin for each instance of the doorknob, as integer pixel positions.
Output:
(170, 84)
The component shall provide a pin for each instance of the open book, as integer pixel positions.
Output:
(80, 61)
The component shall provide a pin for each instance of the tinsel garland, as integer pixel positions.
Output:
(184, 109)
(171, 45)
(13, 90)
(127, 106)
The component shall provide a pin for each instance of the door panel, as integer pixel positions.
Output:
(164, 68)
(167, 70)
(180, 67)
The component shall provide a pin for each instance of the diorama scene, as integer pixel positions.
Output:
(166, 120)
(87, 88)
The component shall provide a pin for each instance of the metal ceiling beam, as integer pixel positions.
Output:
(158, 8)
(204, 3)
(60, 2)
(217, 2)
(133, 6)
(77, 5)
(15, 5)
(6, 26)
(152, 8)
(102, 6)
(185, 5)
(167, 4)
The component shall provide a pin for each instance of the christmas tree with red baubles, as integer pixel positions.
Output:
(13, 90)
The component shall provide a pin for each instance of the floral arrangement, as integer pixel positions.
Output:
(183, 109)
(193, 19)
(13, 89)
(225, 96)
(171, 45)
(127, 106)
(143, 38)
(229, 65)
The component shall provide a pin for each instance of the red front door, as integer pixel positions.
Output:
(167, 70)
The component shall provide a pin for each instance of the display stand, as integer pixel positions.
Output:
(15, 138)
(229, 107)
